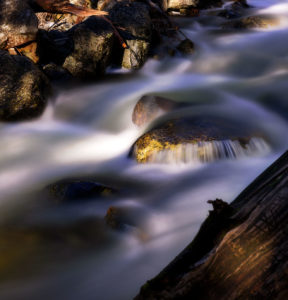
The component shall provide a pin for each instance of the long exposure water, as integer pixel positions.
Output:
(88, 131)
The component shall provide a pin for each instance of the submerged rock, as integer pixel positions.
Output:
(149, 107)
(28, 249)
(197, 139)
(79, 190)
(186, 47)
(122, 217)
(240, 252)
(252, 22)
(23, 88)
(235, 10)
(133, 20)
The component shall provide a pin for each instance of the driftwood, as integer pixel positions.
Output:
(240, 251)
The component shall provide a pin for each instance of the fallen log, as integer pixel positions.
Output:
(238, 253)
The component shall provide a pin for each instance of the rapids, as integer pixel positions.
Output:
(88, 131)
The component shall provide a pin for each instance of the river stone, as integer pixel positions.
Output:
(93, 41)
(149, 107)
(78, 190)
(134, 20)
(23, 88)
(187, 130)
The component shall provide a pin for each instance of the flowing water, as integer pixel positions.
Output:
(88, 131)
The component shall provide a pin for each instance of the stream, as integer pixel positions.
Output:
(88, 132)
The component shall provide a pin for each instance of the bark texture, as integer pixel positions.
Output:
(240, 253)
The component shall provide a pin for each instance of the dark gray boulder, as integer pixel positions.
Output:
(92, 48)
(23, 88)
(134, 23)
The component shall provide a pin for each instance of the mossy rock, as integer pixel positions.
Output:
(173, 134)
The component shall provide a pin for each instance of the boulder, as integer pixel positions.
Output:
(150, 107)
(92, 48)
(240, 251)
(23, 88)
(197, 139)
(134, 23)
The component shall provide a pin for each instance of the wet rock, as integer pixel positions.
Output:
(149, 107)
(23, 88)
(133, 20)
(251, 22)
(79, 190)
(226, 258)
(92, 49)
(186, 47)
(18, 27)
(201, 139)
(120, 218)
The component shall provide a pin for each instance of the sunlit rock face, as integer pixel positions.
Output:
(176, 5)
(23, 88)
(198, 140)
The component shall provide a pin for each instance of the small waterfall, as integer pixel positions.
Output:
(208, 151)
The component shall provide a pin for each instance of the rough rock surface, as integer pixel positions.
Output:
(93, 41)
(133, 20)
(149, 107)
(240, 253)
(23, 88)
